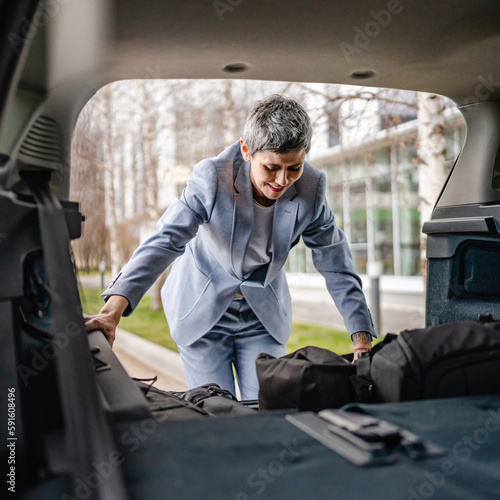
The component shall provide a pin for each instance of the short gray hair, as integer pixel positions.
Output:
(277, 124)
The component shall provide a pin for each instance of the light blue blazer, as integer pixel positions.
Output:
(207, 230)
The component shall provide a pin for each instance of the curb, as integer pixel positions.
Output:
(158, 357)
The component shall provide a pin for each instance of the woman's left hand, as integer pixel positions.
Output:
(359, 352)
(362, 344)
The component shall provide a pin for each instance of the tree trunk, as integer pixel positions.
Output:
(111, 174)
(229, 114)
(150, 182)
(431, 150)
(87, 187)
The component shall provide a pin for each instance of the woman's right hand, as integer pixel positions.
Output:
(108, 317)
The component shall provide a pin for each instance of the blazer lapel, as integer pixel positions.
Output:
(243, 217)
(284, 220)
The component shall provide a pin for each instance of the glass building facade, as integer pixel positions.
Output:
(373, 193)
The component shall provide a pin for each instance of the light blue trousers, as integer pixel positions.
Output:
(235, 340)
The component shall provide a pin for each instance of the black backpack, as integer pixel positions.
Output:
(453, 359)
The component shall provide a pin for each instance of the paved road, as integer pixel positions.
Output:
(399, 312)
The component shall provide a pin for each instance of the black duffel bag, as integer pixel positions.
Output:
(310, 378)
(453, 359)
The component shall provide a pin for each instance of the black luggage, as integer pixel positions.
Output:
(214, 400)
(204, 401)
(442, 361)
(311, 378)
(453, 359)
(165, 405)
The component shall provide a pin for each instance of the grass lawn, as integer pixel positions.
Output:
(153, 326)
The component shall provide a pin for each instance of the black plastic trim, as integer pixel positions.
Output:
(462, 225)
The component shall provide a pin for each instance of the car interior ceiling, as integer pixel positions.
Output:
(448, 47)
(424, 46)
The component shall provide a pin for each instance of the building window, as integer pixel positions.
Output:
(382, 221)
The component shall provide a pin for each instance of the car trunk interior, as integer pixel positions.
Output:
(49, 72)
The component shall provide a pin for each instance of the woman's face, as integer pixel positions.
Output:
(273, 173)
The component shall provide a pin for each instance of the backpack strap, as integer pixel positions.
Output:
(363, 382)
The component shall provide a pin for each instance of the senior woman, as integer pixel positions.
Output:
(226, 299)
